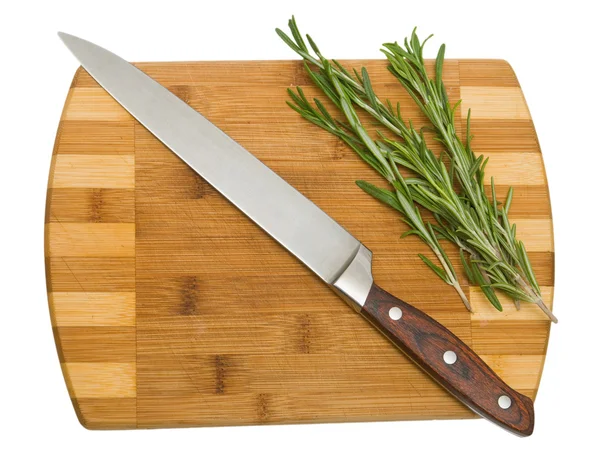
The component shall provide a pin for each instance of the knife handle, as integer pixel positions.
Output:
(449, 361)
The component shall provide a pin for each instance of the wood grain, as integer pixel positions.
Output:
(78, 308)
(170, 308)
(93, 171)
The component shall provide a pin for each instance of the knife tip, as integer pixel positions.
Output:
(68, 39)
(64, 36)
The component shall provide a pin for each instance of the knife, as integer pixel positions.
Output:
(324, 246)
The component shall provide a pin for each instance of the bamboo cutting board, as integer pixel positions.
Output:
(171, 308)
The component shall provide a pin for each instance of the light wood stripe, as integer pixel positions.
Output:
(91, 240)
(94, 103)
(494, 102)
(535, 233)
(94, 171)
(484, 311)
(93, 309)
(100, 380)
(515, 169)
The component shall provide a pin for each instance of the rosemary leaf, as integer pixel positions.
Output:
(434, 267)
(452, 188)
(385, 196)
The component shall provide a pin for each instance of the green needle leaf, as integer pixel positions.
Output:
(466, 266)
(439, 66)
(451, 185)
(383, 195)
(439, 272)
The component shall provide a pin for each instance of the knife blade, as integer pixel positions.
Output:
(324, 246)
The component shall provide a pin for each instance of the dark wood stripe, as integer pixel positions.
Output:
(97, 344)
(57, 341)
(106, 413)
(283, 74)
(171, 296)
(209, 72)
(221, 363)
(263, 407)
(305, 334)
(47, 266)
(90, 205)
(543, 266)
(57, 142)
(91, 273)
(161, 176)
(503, 135)
(82, 75)
(487, 72)
(423, 289)
(178, 371)
(96, 138)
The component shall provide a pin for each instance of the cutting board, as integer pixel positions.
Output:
(171, 308)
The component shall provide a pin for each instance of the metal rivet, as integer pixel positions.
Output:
(504, 402)
(395, 313)
(450, 357)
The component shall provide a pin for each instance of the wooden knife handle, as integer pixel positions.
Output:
(449, 361)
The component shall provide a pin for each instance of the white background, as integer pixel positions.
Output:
(554, 53)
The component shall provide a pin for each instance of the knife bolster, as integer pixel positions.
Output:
(355, 282)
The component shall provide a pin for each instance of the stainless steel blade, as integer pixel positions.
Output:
(290, 218)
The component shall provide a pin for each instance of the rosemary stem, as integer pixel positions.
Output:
(464, 215)
(453, 280)
(537, 299)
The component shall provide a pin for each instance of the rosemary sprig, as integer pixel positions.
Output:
(492, 256)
